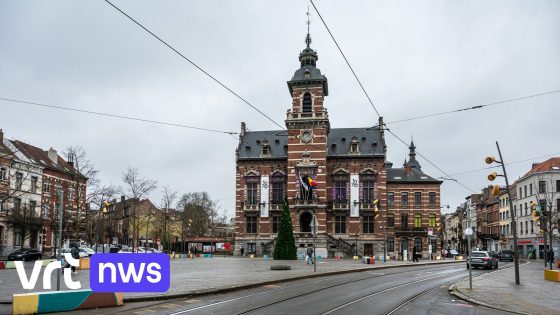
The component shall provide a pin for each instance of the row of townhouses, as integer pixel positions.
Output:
(491, 215)
(31, 183)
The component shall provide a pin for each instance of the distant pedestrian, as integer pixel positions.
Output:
(242, 250)
(75, 253)
(414, 256)
(551, 256)
(534, 253)
(309, 256)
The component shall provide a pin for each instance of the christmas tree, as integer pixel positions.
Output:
(285, 246)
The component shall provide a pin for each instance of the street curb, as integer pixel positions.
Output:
(254, 285)
(456, 292)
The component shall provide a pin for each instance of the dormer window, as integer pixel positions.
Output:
(265, 149)
(307, 103)
(307, 74)
(354, 146)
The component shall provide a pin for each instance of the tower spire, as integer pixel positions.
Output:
(308, 37)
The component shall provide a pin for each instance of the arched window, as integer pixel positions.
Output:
(307, 103)
(305, 222)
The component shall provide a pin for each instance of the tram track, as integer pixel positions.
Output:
(377, 274)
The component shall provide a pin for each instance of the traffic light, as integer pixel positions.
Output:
(105, 206)
(492, 176)
(490, 159)
(496, 190)
(536, 215)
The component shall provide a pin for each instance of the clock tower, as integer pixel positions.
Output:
(308, 128)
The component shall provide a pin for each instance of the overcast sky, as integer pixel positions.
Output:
(413, 57)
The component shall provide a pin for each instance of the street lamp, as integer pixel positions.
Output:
(496, 191)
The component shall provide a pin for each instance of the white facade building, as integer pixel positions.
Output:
(25, 185)
(541, 185)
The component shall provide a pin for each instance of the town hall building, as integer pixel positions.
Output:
(361, 204)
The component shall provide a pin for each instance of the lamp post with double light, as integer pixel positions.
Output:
(496, 191)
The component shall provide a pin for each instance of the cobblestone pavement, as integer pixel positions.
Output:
(205, 274)
(497, 289)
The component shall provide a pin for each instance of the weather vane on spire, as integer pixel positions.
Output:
(308, 37)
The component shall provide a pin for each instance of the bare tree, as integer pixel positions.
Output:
(137, 187)
(24, 221)
(168, 199)
(85, 174)
(101, 224)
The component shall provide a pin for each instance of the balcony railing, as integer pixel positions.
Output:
(340, 204)
(322, 114)
(411, 231)
(251, 206)
(276, 206)
(305, 202)
(367, 204)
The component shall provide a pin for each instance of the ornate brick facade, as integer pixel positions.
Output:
(352, 175)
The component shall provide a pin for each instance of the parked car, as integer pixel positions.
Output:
(68, 250)
(149, 250)
(25, 254)
(86, 251)
(483, 259)
(505, 254)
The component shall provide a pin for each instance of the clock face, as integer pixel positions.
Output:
(306, 136)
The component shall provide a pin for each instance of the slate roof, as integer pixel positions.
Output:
(369, 142)
(315, 77)
(41, 157)
(338, 143)
(250, 146)
(400, 175)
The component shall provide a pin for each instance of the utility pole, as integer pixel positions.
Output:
(314, 227)
(469, 232)
(59, 240)
(550, 234)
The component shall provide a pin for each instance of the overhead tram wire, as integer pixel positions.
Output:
(369, 99)
(510, 163)
(202, 70)
(195, 65)
(433, 164)
(345, 59)
(117, 116)
(472, 107)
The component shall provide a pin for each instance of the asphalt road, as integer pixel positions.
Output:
(418, 289)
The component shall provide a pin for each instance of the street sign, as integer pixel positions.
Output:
(314, 224)
(468, 231)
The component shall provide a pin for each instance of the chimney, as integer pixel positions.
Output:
(243, 129)
(71, 158)
(1, 136)
(53, 155)
(122, 198)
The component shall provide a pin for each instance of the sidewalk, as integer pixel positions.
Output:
(498, 290)
(209, 275)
